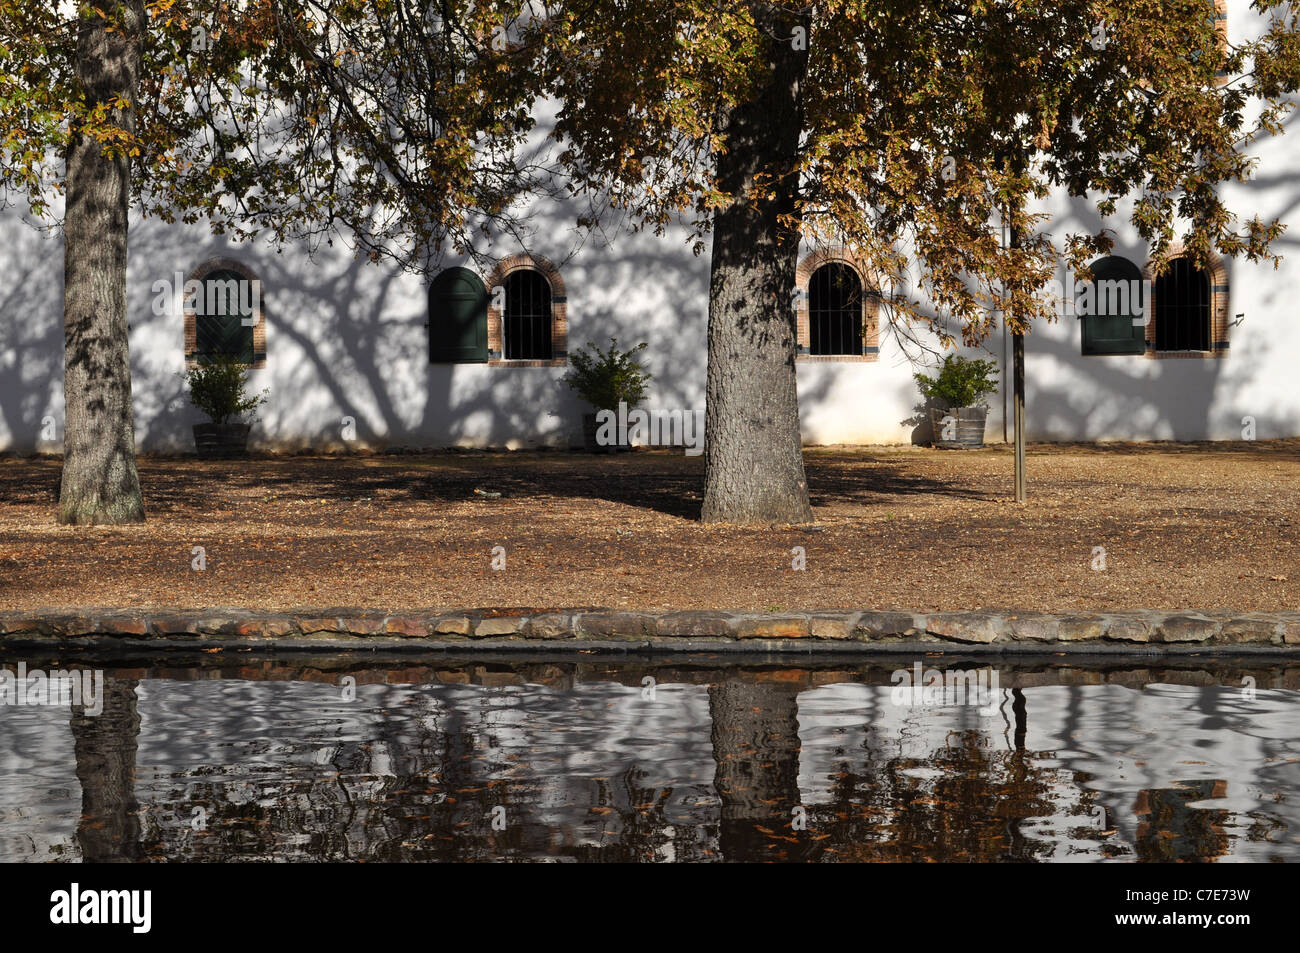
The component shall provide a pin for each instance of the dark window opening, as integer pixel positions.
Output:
(225, 300)
(526, 324)
(834, 310)
(1183, 308)
(1117, 299)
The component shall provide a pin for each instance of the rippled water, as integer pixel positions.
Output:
(637, 761)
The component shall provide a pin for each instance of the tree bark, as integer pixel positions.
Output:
(753, 452)
(100, 483)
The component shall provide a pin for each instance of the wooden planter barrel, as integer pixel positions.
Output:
(589, 430)
(221, 441)
(968, 432)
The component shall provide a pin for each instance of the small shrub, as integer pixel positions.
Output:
(217, 388)
(961, 382)
(607, 378)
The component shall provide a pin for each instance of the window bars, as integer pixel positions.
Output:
(527, 319)
(1183, 308)
(834, 310)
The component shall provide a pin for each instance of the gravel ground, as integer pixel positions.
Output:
(1183, 526)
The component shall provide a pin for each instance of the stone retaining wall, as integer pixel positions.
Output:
(1138, 630)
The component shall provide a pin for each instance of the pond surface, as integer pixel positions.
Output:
(337, 759)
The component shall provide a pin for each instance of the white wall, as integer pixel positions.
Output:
(347, 338)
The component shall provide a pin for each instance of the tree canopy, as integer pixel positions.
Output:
(924, 121)
(907, 130)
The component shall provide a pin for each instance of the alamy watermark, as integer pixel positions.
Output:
(920, 687)
(211, 297)
(39, 689)
(133, 908)
(657, 428)
(1103, 297)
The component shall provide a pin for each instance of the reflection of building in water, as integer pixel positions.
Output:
(40, 799)
(773, 764)
(1170, 828)
(423, 771)
(896, 782)
(1179, 738)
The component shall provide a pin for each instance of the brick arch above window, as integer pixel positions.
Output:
(1217, 274)
(1221, 21)
(1221, 28)
(200, 274)
(559, 311)
(837, 254)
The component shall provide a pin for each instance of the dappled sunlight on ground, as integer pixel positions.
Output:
(1182, 526)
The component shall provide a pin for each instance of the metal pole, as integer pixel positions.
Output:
(1018, 397)
(1002, 315)
(1018, 373)
(1006, 358)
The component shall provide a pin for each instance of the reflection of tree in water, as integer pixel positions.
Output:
(965, 801)
(424, 790)
(421, 780)
(105, 750)
(1171, 829)
(756, 749)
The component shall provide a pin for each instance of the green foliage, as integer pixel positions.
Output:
(606, 378)
(961, 382)
(217, 388)
(926, 120)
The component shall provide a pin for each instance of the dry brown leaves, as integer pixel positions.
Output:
(1183, 526)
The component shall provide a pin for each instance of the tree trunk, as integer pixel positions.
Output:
(100, 483)
(753, 453)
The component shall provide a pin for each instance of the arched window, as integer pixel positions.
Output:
(834, 310)
(1182, 308)
(1110, 308)
(527, 313)
(223, 316)
(526, 324)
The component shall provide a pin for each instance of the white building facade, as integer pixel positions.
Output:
(363, 355)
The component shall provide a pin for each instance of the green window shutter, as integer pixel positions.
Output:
(458, 305)
(1113, 332)
(218, 321)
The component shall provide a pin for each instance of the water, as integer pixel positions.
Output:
(682, 760)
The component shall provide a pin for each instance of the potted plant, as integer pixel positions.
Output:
(960, 388)
(605, 379)
(217, 387)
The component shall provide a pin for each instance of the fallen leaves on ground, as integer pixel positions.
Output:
(1182, 525)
